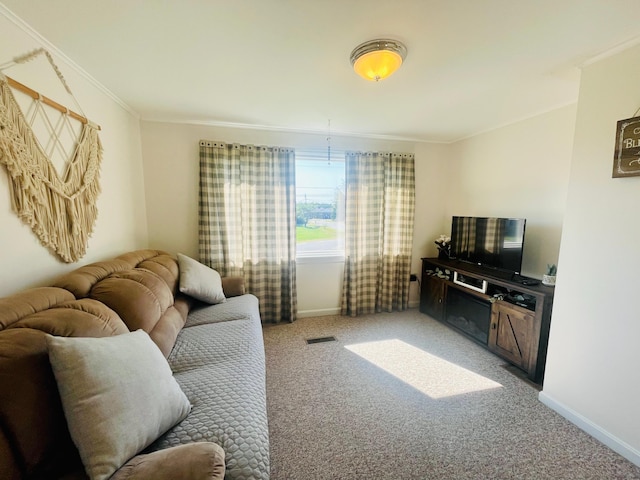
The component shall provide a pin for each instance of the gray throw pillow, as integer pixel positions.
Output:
(118, 394)
(199, 281)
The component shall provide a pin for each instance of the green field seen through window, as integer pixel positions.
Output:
(308, 234)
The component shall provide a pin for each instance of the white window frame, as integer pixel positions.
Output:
(327, 256)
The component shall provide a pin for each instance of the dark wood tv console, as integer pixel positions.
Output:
(493, 308)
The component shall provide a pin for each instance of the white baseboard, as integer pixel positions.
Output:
(614, 443)
(321, 312)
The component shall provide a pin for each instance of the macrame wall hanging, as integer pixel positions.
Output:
(59, 208)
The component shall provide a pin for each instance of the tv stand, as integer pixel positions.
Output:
(509, 315)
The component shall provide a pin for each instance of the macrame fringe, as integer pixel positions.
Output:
(61, 212)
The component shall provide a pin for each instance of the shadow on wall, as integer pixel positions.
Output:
(541, 247)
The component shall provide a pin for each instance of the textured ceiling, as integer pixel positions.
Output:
(472, 65)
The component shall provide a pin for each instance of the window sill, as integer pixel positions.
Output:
(320, 258)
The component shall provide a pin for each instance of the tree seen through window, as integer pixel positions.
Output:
(319, 204)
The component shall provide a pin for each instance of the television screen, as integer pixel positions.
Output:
(491, 242)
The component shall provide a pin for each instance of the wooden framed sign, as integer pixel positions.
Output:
(626, 161)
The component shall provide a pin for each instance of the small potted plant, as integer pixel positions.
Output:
(444, 247)
(549, 278)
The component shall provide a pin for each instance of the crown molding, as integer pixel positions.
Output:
(632, 42)
(31, 32)
(271, 128)
(516, 120)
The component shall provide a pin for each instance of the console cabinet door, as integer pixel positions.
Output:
(511, 333)
(432, 297)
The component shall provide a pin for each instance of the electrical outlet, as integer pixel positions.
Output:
(413, 277)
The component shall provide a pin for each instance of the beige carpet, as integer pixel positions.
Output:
(400, 396)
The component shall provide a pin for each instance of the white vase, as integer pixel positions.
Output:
(549, 280)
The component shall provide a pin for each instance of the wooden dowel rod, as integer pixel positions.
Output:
(47, 101)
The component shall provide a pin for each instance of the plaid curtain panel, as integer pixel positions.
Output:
(466, 236)
(494, 236)
(247, 221)
(380, 204)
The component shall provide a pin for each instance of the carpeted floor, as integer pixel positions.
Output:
(400, 396)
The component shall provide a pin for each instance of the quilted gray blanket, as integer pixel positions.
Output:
(218, 360)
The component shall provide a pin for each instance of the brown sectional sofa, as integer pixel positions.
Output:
(215, 352)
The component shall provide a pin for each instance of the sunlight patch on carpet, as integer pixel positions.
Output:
(427, 373)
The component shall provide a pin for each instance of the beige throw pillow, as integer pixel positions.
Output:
(118, 395)
(199, 281)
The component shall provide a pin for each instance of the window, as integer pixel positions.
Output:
(320, 185)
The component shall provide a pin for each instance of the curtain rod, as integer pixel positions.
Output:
(33, 94)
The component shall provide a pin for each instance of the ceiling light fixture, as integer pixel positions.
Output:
(377, 59)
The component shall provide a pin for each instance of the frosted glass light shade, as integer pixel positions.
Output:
(377, 59)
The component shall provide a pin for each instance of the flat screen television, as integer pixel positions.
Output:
(491, 242)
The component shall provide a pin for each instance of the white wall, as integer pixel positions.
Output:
(592, 372)
(170, 153)
(121, 223)
(432, 196)
(521, 170)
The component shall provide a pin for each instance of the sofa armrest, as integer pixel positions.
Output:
(193, 461)
(233, 286)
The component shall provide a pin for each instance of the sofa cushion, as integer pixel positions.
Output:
(144, 301)
(19, 305)
(161, 263)
(31, 416)
(118, 395)
(199, 281)
(218, 360)
(149, 276)
(81, 280)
